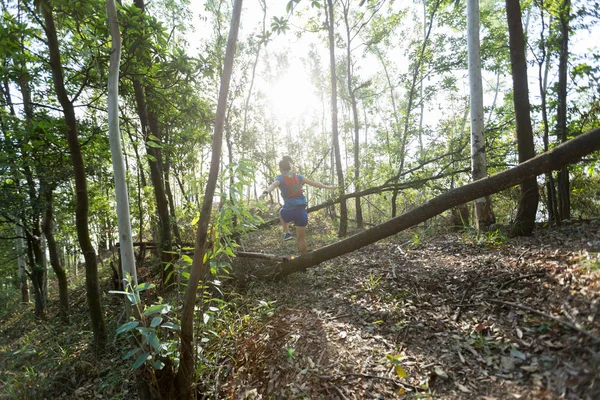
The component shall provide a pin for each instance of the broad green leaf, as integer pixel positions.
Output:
(157, 308)
(141, 360)
(187, 258)
(131, 353)
(156, 322)
(127, 326)
(154, 341)
(154, 144)
(152, 137)
(145, 286)
(170, 325)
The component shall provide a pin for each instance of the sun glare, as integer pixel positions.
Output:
(292, 95)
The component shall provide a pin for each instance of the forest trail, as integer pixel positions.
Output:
(429, 308)
(435, 310)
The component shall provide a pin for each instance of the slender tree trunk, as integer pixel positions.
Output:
(126, 252)
(334, 121)
(483, 206)
(525, 219)
(564, 195)
(150, 126)
(352, 93)
(22, 261)
(199, 269)
(81, 211)
(34, 250)
(169, 192)
(61, 275)
(543, 68)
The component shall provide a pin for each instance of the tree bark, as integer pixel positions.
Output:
(483, 206)
(81, 211)
(150, 126)
(543, 69)
(127, 256)
(564, 195)
(22, 261)
(352, 94)
(525, 219)
(186, 373)
(343, 229)
(567, 153)
(61, 275)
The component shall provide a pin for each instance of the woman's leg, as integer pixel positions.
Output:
(301, 238)
(284, 225)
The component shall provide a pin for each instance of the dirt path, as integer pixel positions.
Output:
(450, 318)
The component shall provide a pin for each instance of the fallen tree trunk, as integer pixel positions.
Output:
(387, 187)
(568, 153)
(262, 256)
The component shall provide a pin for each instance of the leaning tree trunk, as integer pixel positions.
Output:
(525, 220)
(483, 206)
(334, 122)
(199, 269)
(567, 153)
(61, 275)
(564, 196)
(82, 205)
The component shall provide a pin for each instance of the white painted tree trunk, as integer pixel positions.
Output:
(478, 159)
(123, 214)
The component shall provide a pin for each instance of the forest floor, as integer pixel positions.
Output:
(448, 316)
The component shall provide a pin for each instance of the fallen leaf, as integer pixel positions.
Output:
(462, 388)
(440, 372)
(517, 354)
(519, 333)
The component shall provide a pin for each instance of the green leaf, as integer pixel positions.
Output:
(154, 144)
(170, 325)
(156, 322)
(158, 365)
(195, 220)
(141, 360)
(157, 308)
(127, 326)
(152, 137)
(150, 157)
(154, 341)
(187, 258)
(145, 286)
(131, 353)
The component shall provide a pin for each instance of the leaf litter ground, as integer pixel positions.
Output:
(456, 317)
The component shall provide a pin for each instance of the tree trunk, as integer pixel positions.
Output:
(61, 275)
(81, 211)
(186, 373)
(22, 261)
(343, 229)
(567, 153)
(564, 195)
(483, 207)
(543, 69)
(168, 191)
(150, 126)
(352, 93)
(525, 219)
(126, 253)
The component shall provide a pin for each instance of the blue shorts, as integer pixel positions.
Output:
(299, 216)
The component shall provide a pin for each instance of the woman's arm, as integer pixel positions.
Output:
(273, 185)
(306, 181)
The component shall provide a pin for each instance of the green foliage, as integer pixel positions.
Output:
(151, 330)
